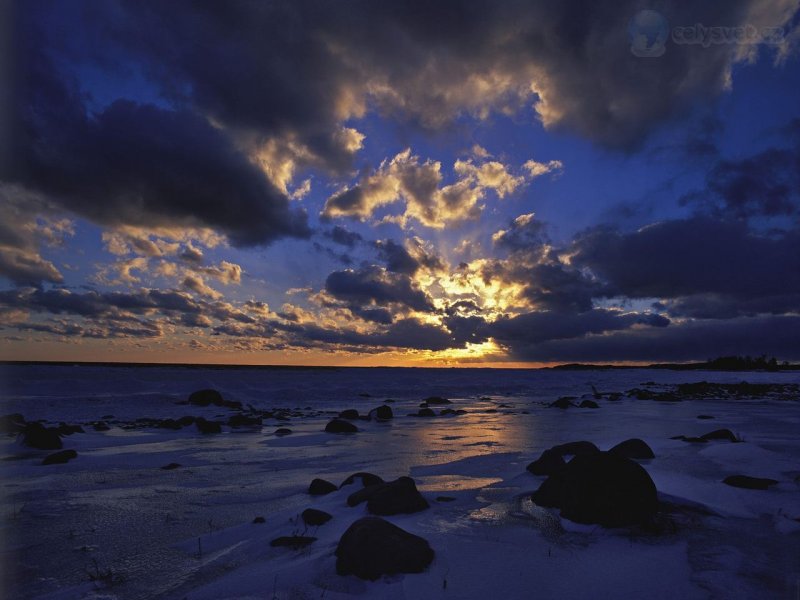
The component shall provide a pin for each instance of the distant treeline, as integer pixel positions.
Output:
(722, 363)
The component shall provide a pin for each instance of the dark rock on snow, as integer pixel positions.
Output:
(205, 426)
(64, 429)
(589, 404)
(372, 547)
(548, 463)
(720, 434)
(100, 426)
(704, 417)
(633, 448)
(313, 517)
(281, 431)
(259, 520)
(749, 483)
(211, 397)
(395, 497)
(38, 436)
(436, 400)
(13, 423)
(350, 413)
(576, 448)
(320, 487)
(60, 458)
(424, 412)
(366, 479)
(564, 402)
(382, 413)
(240, 420)
(602, 488)
(340, 426)
(295, 542)
(171, 466)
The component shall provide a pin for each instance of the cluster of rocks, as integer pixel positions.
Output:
(567, 402)
(371, 546)
(717, 434)
(704, 390)
(34, 434)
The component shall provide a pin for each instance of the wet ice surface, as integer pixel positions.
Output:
(188, 532)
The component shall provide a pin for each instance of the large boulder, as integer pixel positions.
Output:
(395, 497)
(602, 488)
(720, 434)
(340, 426)
(588, 404)
(38, 436)
(320, 487)
(565, 402)
(372, 547)
(548, 463)
(633, 448)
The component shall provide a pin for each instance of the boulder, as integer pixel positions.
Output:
(372, 547)
(38, 436)
(749, 483)
(366, 479)
(186, 420)
(705, 417)
(382, 413)
(240, 420)
(281, 431)
(576, 448)
(633, 448)
(64, 429)
(350, 413)
(588, 404)
(395, 497)
(259, 520)
(320, 487)
(720, 434)
(548, 463)
(340, 426)
(169, 424)
(205, 426)
(60, 458)
(314, 518)
(602, 488)
(424, 412)
(171, 466)
(100, 426)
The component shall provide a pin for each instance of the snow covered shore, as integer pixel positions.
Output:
(113, 523)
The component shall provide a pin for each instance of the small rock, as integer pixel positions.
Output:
(588, 404)
(187, 420)
(38, 436)
(350, 414)
(171, 466)
(720, 434)
(424, 412)
(749, 483)
(633, 448)
(382, 413)
(563, 403)
(704, 417)
(64, 429)
(295, 542)
(436, 400)
(205, 426)
(313, 517)
(281, 431)
(100, 426)
(240, 420)
(367, 479)
(320, 487)
(60, 458)
(13, 423)
(340, 426)
(206, 397)
(259, 520)
(372, 547)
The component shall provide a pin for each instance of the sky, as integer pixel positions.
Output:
(405, 183)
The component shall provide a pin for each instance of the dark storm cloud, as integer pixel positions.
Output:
(691, 256)
(531, 329)
(377, 285)
(137, 164)
(693, 340)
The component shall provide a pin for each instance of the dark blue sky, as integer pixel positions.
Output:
(400, 183)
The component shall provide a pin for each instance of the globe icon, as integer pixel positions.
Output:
(648, 32)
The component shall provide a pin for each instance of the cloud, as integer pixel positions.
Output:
(342, 236)
(138, 164)
(376, 285)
